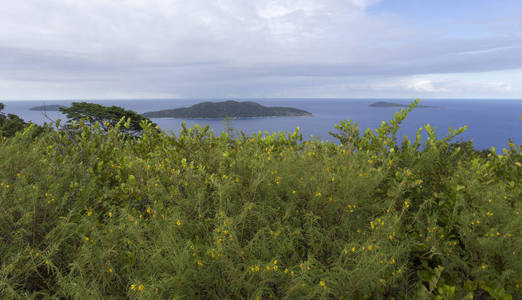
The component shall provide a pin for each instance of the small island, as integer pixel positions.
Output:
(52, 107)
(230, 109)
(393, 104)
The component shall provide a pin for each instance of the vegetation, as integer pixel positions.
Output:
(9, 124)
(89, 213)
(105, 117)
(231, 109)
(51, 107)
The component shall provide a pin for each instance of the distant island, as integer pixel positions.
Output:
(52, 107)
(393, 104)
(232, 109)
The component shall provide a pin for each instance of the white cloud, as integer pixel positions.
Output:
(99, 48)
(424, 86)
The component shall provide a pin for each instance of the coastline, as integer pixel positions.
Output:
(237, 118)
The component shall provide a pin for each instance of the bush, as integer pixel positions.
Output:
(195, 215)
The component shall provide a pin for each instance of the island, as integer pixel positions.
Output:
(393, 104)
(230, 109)
(52, 107)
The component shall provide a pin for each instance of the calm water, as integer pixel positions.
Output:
(490, 122)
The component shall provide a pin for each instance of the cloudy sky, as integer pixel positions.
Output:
(100, 49)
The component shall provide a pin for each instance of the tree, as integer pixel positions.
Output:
(10, 124)
(105, 116)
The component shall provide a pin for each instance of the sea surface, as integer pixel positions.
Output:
(490, 122)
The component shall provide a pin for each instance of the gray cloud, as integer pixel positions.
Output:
(99, 48)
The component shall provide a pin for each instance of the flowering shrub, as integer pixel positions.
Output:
(92, 214)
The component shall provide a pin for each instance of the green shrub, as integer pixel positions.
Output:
(93, 214)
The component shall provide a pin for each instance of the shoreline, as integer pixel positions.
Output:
(232, 118)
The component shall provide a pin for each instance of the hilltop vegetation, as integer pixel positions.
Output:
(231, 109)
(105, 117)
(10, 124)
(91, 214)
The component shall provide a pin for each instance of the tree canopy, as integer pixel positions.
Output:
(10, 124)
(105, 116)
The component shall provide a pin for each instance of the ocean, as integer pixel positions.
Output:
(490, 122)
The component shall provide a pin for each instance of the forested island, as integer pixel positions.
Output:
(231, 109)
(52, 107)
(393, 104)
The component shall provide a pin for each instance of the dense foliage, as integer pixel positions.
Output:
(90, 214)
(105, 117)
(9, 124)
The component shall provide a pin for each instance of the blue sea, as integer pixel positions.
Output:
(490, 122)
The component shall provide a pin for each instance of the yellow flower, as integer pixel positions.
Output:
(148, 210)
(141, 287)
(294, 192)
(353, 249)
(86, 238)
(110, 270)
(322, 283)
(200, 263)
(484, 267)
(133, 287)
(178, 222)
(89, 213)
(110, 214)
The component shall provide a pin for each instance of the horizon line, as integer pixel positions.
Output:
(255, 98)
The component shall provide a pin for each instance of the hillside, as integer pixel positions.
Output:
(233, 109)
(89, 213)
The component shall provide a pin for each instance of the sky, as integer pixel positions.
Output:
(99, 49)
